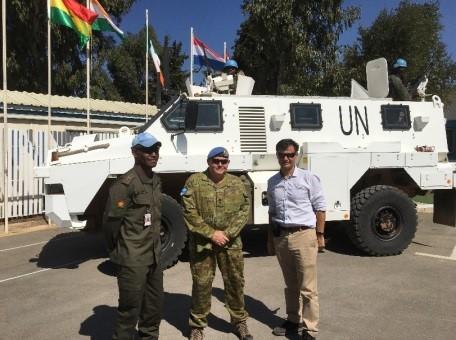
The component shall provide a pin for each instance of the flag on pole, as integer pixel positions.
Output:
(203, 55)
(72, 14)
(104, 22)
(157, 63)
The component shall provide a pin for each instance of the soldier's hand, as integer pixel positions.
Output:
(219, 238)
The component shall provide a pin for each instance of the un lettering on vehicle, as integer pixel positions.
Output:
(353, 120)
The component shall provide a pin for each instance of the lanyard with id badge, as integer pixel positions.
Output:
(147, 218)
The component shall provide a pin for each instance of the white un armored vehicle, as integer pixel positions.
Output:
(371, 154)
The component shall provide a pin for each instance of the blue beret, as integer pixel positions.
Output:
(219, 151)
(144, 139)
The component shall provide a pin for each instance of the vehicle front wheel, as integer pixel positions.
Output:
(383, 220)
(173, 233)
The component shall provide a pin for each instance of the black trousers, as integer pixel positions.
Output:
(140, 302)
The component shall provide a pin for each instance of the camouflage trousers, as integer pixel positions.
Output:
(231, 266)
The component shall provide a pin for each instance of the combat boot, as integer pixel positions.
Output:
(242, 331)
(196, 334)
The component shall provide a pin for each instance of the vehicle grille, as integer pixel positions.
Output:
(252, 128)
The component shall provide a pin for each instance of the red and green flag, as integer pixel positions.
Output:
(104, 22)
(72, 14)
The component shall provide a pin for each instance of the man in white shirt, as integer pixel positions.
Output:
(297, 218)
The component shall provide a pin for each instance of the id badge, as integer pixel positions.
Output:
(147, 219)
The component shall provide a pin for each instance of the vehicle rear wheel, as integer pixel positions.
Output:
(383, 220)
(173, 233)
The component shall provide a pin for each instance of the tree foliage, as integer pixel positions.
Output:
(290, 46)
(27, 50)
(126, 64)
(115, 70)
(411, 31)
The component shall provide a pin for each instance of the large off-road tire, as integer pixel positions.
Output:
(383, 220)
(173, 233)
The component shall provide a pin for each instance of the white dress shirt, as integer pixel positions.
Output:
(294, 200)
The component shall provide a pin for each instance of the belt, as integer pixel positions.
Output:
(294, 228)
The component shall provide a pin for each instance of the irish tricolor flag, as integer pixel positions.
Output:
(103, 22)
(72, 14)
(157, 63)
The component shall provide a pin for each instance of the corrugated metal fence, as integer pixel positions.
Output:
(28, 149)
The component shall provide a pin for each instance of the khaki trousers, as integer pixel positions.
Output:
(297, 256)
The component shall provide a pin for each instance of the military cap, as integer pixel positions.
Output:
(145, 139)
(218, 151)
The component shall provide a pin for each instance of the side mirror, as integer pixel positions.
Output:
(191, 115)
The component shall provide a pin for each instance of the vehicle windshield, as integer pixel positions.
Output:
(174, 101)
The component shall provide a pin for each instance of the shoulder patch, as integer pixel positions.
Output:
(183, 191)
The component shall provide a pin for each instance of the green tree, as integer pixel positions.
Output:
(176, 77)
(411, 31)
(127, 67)
(290, 46)
(27, 52)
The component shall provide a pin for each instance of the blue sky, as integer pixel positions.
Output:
(217, 21)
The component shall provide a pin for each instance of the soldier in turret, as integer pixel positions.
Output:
(216, 208)
(397, 89)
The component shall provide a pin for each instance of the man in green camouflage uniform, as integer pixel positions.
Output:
(216, 208)
(132, 230)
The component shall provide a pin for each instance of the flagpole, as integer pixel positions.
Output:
(224, 51)
(147, 64)
(49, 137)
(88, 77)
(49, 75)
(5, 121)
(191, 56)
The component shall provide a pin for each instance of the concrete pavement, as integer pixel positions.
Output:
(57, 284)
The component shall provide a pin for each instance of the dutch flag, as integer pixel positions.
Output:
(203, 55)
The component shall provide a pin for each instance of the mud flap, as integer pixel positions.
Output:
(445, 207)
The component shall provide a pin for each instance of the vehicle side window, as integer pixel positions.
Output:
(208, 116)
(396, 117)
(306, 116)
(174, 120)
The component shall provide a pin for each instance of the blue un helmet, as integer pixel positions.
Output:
(400, 63)
(231, 63)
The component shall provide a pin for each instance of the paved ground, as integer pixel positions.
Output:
(56, 284)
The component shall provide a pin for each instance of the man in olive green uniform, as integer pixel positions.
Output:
(397, 89)
(216, 208)
(132, 231)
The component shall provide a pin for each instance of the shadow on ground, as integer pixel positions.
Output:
(99, 325)
(69, 250)
(256, 309)
(337, 240)
(176, 313)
